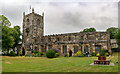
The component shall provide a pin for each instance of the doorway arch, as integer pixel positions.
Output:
(23, 51)
(70, 53)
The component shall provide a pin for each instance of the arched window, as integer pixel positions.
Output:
(58, 39)
(69, 38)
(28, 22)
(75, 49)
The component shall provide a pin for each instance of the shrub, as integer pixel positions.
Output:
(106, 51)
(44, 55)
(79, 54)
(107, 54)
(97, 54)
(93, 54)
(50, 53)
(65, 55)
(12, 53)
(56, 54)
(20, 53)
(41, 53)
(35, 52)
(102, 52)
(55, 50)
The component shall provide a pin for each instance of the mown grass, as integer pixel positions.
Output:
(60, 64)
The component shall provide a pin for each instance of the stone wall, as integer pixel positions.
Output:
(34, 39)
(81, 40)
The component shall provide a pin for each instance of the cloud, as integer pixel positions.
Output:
(62, 17)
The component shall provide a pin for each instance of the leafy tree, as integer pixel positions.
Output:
(4, 21)
(7, 38)
(89, 30)
(113, 31)
(10, 36)
(117, 36)
(16, 34)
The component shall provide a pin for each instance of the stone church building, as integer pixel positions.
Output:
(33, 38)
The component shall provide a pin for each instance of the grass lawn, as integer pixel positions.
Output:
(60, 64)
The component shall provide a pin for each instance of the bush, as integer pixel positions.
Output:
(107, 54)
(20, 53)
(97, 54)
(56, 54)
(65, 55)
(35, 52)
(54, 50)
(84, 54)
(12, 53)
(44, 55)
(102, 52)
(41, 53)
(106, 51)
(79, 54)
(50, 53)
(93, 54)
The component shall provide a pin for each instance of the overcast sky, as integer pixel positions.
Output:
(64, 16)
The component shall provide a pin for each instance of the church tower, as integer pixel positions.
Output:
(33, 30)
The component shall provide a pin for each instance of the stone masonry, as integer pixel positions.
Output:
(33, 38)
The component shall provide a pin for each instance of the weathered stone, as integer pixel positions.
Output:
(34, 39)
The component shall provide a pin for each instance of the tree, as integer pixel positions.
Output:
(16, 34)
(7, 38)
(89, 30)
(113, 31)
(10, 36)
(117, 36)
(4, 21)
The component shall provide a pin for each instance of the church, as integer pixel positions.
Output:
(33, 38)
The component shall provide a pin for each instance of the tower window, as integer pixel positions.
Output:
(49, 39)
(58, 39)
(69, 38)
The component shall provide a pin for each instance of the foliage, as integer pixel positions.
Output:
(94, 54)
(117, 37)
(102, 52)
(97, 54)
(4, 21)
(12, 53)
(10, 36)
(56, 54)
(113, 31)
(16, 34)
(20, 53)
(107, 54)
(41, 53)
(65, 55)
(50, 53)
(84, 54)
(89, 30)
(7, 39)
(55, 50)
(79, 54)
(44, 55)
(35, 52)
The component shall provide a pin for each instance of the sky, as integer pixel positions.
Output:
(64, 16)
